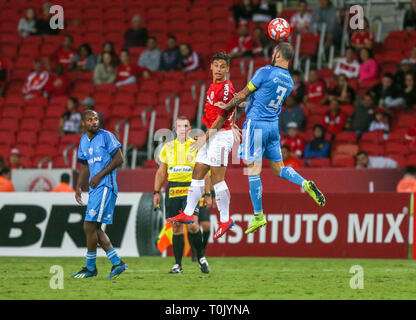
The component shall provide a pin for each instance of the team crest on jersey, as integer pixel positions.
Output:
(189, 158)
(90, 150)
(92, 212)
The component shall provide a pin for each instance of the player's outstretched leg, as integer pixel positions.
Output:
(290, 174)
(195, 239)
(256, 193)
(223, 198)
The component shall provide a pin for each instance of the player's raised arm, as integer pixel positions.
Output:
(237, 99)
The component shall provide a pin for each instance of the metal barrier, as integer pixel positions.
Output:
(175, 106)
(201, 101)
(47, 159)
(126, 124)
(74, 148)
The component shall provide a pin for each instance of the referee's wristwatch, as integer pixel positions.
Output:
(156, 192)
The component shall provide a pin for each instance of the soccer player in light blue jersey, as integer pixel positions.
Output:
(100, 155)
(268, 89)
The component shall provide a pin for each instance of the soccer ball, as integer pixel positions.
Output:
(278, 29)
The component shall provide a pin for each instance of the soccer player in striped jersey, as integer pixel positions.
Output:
(268, 88)
(100, 155)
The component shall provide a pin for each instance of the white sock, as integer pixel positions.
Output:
(222, 197)
(194, 195)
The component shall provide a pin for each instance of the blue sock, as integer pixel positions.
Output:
(290, 174)
(113, 256)
(91, 260)
(256, 190)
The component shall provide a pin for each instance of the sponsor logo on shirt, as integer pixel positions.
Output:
(180, 169)
(178, 192)
(94, 160)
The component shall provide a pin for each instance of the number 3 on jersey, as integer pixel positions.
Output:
(281, 91)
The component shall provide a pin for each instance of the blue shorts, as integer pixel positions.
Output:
(261, 139)
(101, 204)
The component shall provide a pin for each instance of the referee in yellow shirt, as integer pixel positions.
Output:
(177, 163)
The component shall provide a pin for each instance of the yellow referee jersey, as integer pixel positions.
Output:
(179, 160)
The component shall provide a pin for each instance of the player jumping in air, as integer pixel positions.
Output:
(214, 148)
(268, 88)
(100, 154)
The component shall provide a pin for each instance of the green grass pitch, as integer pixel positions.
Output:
(230, 279)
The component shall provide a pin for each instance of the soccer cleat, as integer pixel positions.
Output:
(117, 270)
(176, 269)
(313, 191)
(203, 264)
(257, 222)
(223, 228)
(85, 273)
(182, 218)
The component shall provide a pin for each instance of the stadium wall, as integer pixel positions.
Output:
(350, 226)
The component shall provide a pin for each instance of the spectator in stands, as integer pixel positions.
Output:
(410, 138)
(380, 122)
(3, 74)
(408, 182)
(58, 83)
(44, 25)
(36, 81)
(264, 11)
(261, 43)
(29, 25)
(243, 10)
(328, 14)
(402, 69)
(70, 121)
(318, 147)
(387, 92)
(334, 120)
(137, 35)
(301, 20)
(128, 73)
(66, 53)
(106, 71)
(171, 57)
(409, 91)
(294, 140)
(108, 46)
(14, 159)
(362, 38)
(412, 58)
(299, 87)
(287, 158)
(362, 115)
(84, 60)
(410, 17)
(89, 104)
(316, 91)
(190, 59)
(342, 91)
(362, 160)
(64, 185)
(150, 58)
(368, 66)
(348, 65)
(6, 184)
(241, 44)
(292, 113)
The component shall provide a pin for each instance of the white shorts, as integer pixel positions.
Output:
(215, 151)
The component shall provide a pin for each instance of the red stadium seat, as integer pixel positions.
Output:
(30, 124)
(138, 138)
(411, 160)
(12, 112)
(401, 160)
(347, 149)
(372, 149)
(48, 137)
(372, 137)
(44, 150)
(7, 138)
(319, 162)
(9, 124)
(343, 162)
(33, 112)
(346, 137)
(27, 137)
(396, 148)
(136, 123)
(70, 139)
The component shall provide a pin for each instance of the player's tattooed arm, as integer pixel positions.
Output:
(116, 162)
(236, 100)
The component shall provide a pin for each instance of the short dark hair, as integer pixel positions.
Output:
(86, 112)
(286, 147)
(411, 170)
(65, 177)
(359, 153)
(125, 50)
(74, 100)
(222, 56)
(4, 171)
(286, 49)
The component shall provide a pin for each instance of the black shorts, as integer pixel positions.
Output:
(175, 200)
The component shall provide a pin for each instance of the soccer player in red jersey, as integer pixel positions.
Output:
(214, 148)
